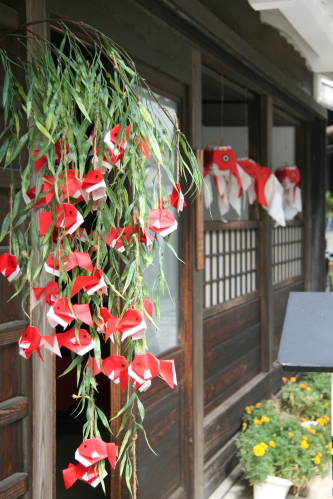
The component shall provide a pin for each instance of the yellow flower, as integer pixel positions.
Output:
(305, 438)
(321, 421)
(256, 421)
(311, 430)
(330, 447)
(303, 419)
(316, 460)
(248, 410)
(258, 404)
(290, 434)
(327, 404)
(323, 467)
(308, 388)
(284, 378)
(263, 445)
(302, 385)
(292, 379)
(326, 417)
(319, 454)
(258, 450)
(265, 419)
(304, 444)
(272, 443)
(244, 425)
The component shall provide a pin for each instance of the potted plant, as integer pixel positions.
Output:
(277, 451)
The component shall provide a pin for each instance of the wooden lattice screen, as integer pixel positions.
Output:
(230, 261)
(287, 251)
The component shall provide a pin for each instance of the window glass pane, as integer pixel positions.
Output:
(166, 336)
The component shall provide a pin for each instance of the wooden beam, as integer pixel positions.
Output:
(13, 409)
(9, 18)
(197, 298)
(199, 220)
(14, 486)
(9, 174)
(260, 149)
(10, 332)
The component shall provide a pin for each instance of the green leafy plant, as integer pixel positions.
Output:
(74, 94)
(274, 443)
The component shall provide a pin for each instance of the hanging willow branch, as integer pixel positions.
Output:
(92, 136)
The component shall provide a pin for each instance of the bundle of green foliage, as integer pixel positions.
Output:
(310, 399)
(274, 443)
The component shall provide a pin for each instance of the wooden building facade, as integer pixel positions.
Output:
(228, 76)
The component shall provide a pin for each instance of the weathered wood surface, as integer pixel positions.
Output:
(280, 298)
(231, 352)
(10, 332)
(13, 409)
(9, 18)
(14, 486)
(7, 176)
(238, 225)
(134, 31)
(222, 307)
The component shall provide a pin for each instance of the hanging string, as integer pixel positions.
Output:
(10, 217)
(30, 304)
(138, 275)
(246, 126)
(177, 148)
(64, 159)
(134, 438)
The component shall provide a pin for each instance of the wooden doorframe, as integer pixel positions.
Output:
(43, 373)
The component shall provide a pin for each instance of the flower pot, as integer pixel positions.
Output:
(272, 488)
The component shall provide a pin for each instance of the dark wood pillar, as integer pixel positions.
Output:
(317, 186)
(260, 149)
(197, 295)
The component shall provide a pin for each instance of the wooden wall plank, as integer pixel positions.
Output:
(134, 31)
(10, 332)
(7, 175)
(199, 220)
(9, 18)
(14, 486)
(280, 298)
(13, 409)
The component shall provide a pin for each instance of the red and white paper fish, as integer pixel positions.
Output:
(79, 342)
(76, 259)
(131, 324)
(117, 235)
(9, 267)
(30, 342)
(93, 184)
(67, 217)
(61, 313)
(231, 181)
(177, 198)
(48, 294)
(40, 162)
(290, 177)
(162, 222)
(115, 368)
(146, 366)
(47, 188)
(79, 472)
(91, 284)
(51, 343)
(117, 146)
(93, 450)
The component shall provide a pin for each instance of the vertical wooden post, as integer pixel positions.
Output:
(197, 298)
(116, 404)
(260, 149)
(43, 391)
(318, 168)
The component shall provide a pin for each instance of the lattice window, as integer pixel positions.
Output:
(230, 264)
(287, 248)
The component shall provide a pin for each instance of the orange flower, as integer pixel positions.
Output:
(284, 379)
(290, 434)
(321, 421)
(303, 419)
(292, 379)
(272, 443)
(248, 410)
(327, 404)
(326, 417)
(304, 444)
(311, 430)
(256, 421)
(302, 385)
(258, 404)
(244, 425)
(305, 438)
(319, 454)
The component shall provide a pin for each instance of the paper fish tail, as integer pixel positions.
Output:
(69, 475)
(112, 450)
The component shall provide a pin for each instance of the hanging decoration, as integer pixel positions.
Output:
(290, 177)
(83, 214)
(235, 178)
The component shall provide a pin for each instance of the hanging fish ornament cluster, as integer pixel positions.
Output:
(235, 178)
